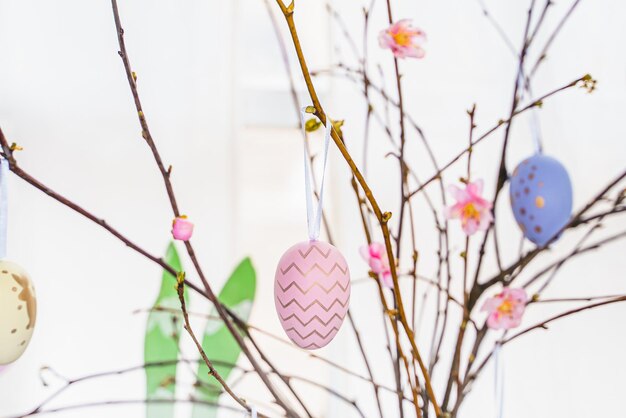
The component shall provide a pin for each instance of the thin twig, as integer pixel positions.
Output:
(544, 325)
(212, 372)
(382, 218)
(165, 173)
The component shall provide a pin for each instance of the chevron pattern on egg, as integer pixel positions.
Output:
(319, 304)
(313, 267)
(315, 332)
(316, 284)
(315, 318)
(312, 293)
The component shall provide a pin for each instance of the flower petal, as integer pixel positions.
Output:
(485, 220)
(494, 321)
(475, 188)
(376, 265)
(458, 194)
(387, 279)
(491, 304)
(470, 227)
(377, 250)
(364, 250)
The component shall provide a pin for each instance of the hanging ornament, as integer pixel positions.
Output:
(312, 282)
(18, 305)
(18, 311)
(541, 198)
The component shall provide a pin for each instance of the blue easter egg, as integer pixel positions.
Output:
(541, 197)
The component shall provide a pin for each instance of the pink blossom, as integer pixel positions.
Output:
(403, 39)
(377, 259)
(182, 228)
(470, 207)
(506, 308)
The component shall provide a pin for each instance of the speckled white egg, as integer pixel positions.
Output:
(18, 311)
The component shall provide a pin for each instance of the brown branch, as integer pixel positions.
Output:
(296, 104)
(466, 311)
(577, 251)
(502, 171)
(117, 372)
(307, 381)
(544, 325)
(18, 171)
(557, 30)
(443, 230)
(403, 201)
(351, 73)
(522, 262)
(363, 62)
(145, 130)
(613, 211)
(382, 218)
(368, 367)
(526, 79)
(534, 103)
(180, 287)
(507, 275)
(39, 409)
(8, 153)
(501, 180)
(165, 173)
(246, 328)
(578, 299)
(88, 405)
(331, 391)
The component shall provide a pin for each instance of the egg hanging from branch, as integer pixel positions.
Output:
(312, 293)
(18, 311)
(541, 198)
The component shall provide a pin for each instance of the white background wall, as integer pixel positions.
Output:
(214, 93)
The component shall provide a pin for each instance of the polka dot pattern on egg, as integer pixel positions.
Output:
(541, 197)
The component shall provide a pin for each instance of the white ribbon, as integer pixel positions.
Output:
(499, 380)
(535, 129)
(314, 216)
(4, 206)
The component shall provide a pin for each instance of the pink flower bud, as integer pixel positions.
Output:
(182, 228)
(376, 257)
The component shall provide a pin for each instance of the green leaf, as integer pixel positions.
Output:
(312, 125)
(337, 125)
(161, 341)
(219, 345)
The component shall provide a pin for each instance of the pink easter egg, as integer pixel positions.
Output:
(312, 293)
